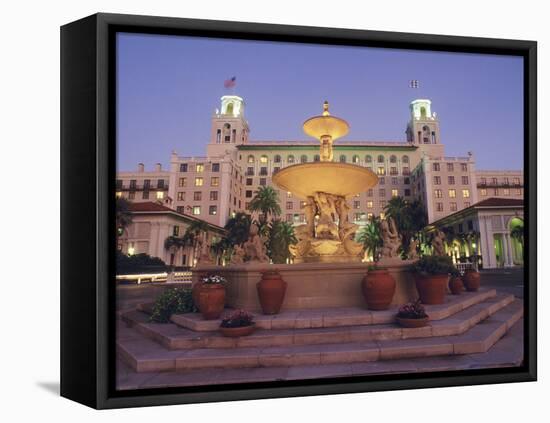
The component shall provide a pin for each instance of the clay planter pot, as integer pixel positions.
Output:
(236, 332)
(412, 323)
(455, 285)
(211, 300)
(471, 280)
(271, 292)
(431, 288)
(378, 289)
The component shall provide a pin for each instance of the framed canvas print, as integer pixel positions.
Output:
(259, 211)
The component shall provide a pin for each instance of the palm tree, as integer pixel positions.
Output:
(173, 244)
(370, 237)
(266, 202)
(281, 236)
(123, 215)
(410, 218)
(238, 228)
(517, 233)
(193, 233)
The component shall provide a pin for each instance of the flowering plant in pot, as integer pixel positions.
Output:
(378, 287)
(211, 296)
(412, 315)
(431, 277)
(238, 323)
(456, 286)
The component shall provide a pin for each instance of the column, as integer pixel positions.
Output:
(510, 252)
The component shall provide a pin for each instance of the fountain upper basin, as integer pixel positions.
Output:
(336, 178)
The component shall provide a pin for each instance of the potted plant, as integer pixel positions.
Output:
(431, 277)
(471, 279)
(211, 296)
(271, 291)
(238, 323)
(412, 315)
(456, 286)
(378, 288)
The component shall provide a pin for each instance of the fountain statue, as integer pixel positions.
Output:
(327, 235)
(391, 239)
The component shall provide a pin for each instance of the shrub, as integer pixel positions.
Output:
(412, 311)
(238, 319)
(172, 301)
(138, 263)
(435, 265)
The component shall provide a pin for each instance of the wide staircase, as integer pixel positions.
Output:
(470, 323)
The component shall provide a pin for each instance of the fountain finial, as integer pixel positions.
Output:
(325, 109)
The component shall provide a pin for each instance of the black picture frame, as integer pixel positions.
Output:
(87, 208)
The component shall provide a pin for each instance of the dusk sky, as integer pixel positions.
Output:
(169, 86)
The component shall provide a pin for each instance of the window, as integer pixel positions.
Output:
(450, 167)
(382, 192)
(466, 204)
(381, 181)
(380, 158)
(289, 218)
(436, 167)
(393, 159)
(182, 182)
(213, 195)
(357, 204)
(342, 159)
(439, 207)
(394, 181)
(199, 181)
(359, 216)
(438, 193)
(464, 167)
(289, 205)
(290, 159)
(381, 170)
(250, 159)
(183, 167)
(288, 194)
(197, 196)
(370, 204)
(437, 180)
(483, 181)
(199, 168)
(132, 184)
(277, 159)
(181, 196)
(215, 167)
(316, 158)
(368, 159)
(483, 192)
(263, 171)
(405, 159)
(496, 191)
(369, 216)
(518, 191)
(180, 209)
(452, 206)
(506, 181)
(464, 180)
(212, 210)
(451, 180)
(382, 205)
(406, 181)
(176, 231)
(276, 169)
(393, 170)
(214, 181)
(452, 193)
(160, 184)
(494, 181)
(131, 195)
(394, 193)
(460, 228)
(516, 181)
(145, 195)
(196, 210)
(160, 195)
(263, 182)
(263, 159)
(406, 170)
(248, 194)
(146, 183)
(407, 192)
(249, 171)
(248, 181)
(303, 158)
(355, 159)
(370, 192)
(470, 224)
(506, 191)
(466, 193)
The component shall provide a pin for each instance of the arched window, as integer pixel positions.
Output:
(393, 159)
(277, 158)
(263, 159)
(316, 158)
(405, 159)
(368, 158)
(423, 112)
(342, 159)
(303, 158)
(250, 159)
(227, 132)
(229, 109)
(290, 159)
(380, 158)
(355, 159)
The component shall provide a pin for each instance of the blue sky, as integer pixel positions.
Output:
(169, 86)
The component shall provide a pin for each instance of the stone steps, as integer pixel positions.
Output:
(145, 355)
(174, 337)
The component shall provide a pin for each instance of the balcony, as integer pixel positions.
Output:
(499, 185)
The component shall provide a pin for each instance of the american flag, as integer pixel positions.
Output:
(230, 83)
(413, 83)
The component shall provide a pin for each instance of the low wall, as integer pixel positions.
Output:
(310, 285)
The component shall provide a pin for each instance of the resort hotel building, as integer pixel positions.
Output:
(214, 187)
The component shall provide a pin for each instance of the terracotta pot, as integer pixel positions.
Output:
(378, 289)
(236, 332)
(211, 300)
(471, 280)
(455, 285)
(412, 323)
(271, 292)
(431, 288)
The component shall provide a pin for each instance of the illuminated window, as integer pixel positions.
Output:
(215, 181)
(452, 193)
(176, 231)
(382, 215)
(290, 159)
(182, 182)
(213, 210)
(250, 159)
(506, 191)
(160, 195)
(355, 159)
(181, 196)
(518, 191)
(263, 159)
(369, 216)
(199, 181)
(357, 204)
(289, 194)
(466, 193)
(483, 192)
(199, 168)
(381, 170)
(516, 181)
(118, 194)
(394, 193)
(196, 210)
(438, 193)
